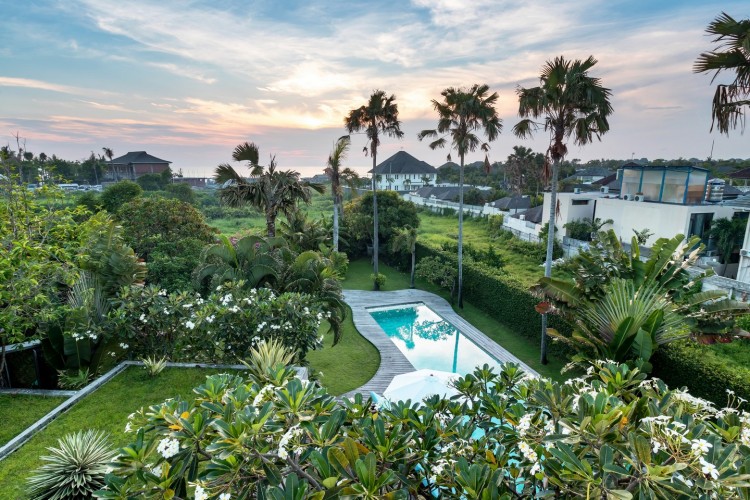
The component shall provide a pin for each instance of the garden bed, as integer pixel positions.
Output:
(106, 409)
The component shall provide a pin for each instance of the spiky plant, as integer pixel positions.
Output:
(266, 356)
(75, 469)
(153, 365)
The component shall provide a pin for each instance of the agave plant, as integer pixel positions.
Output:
(75, 469)
(153, 365)
(267, 356)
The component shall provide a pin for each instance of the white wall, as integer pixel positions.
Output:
(664, 220)
(398, 181)
(568, 211)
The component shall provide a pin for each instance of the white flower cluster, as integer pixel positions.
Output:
(700, 447)
(189, 325)
(143, 318)
(261, 326)
(294, 432)
(265, 394)
(124, 345)
(168, 447)
(211, 319)
(226, 299)
(527, 451)
(709, 469)
(524, 424)
(200, 493)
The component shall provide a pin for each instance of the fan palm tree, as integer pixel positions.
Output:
(732, 54)
(571, 103)
(378, 117)
(460, 115)
(339, 177)
(272, 191)
(406, 239)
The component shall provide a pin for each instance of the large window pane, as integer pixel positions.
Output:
(674, 187)
(631, 180)
(651, 185)
(696, 187)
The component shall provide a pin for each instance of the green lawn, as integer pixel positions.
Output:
(17, 412)
(348, 364)
(434, 230)
(358, 278)
(106, 409)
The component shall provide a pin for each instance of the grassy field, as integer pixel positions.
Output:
(348, 364)
(434, 230)
(19, 411)
(106, 409)
(358, 278)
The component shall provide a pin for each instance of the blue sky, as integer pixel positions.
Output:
(187, 81)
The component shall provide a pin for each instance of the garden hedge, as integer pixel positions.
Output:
(679, 364)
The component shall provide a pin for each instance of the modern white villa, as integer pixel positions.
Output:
(666, 200)
(403, 172)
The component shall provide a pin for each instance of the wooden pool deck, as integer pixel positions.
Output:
(392, 361)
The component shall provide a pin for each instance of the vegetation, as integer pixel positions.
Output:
(379, 117)
(271, 191)
(406, 240)
(728, 235)
(461, 115)
(610, 433)
(571, 103)
(74, 469)
(583, 229)
(116, 195)
(732, 54)
(340, 177)
(623, 308)
(105, 410)
(17, 412)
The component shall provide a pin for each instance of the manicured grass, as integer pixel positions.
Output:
(17, 412)
(348, 364)
(106, 409)
(358, 278)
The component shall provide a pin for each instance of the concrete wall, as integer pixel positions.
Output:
(663, 220)
(568, 211)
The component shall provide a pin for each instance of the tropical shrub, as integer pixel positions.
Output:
(181, 191)
(623, 308)
(75, 469)
(610, 433)
(116, 195)
(378, 280)
(153, 365)
(221, 327)
(270, 262)
(393, 213)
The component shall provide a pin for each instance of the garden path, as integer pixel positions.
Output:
(392, 360)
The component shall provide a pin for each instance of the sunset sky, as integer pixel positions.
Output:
(187, 81)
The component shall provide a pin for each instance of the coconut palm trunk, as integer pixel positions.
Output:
(336, 226)
(413, 265)
(550, 250)
(461, 234)
(375, 242)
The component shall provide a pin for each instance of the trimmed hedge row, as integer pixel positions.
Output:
(502, 297)
(508, 301)
(688, 363)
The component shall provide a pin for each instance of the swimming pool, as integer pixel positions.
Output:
(428, 341)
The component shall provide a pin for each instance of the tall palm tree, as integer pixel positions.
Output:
(272, 191)
(406, 239)
(378, 117)
(571, 103)
(732, 54)
(339, 177)
(109, 154)
(460, 115)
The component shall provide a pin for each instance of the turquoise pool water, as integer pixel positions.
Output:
(428, 341)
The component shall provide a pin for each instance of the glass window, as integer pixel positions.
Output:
(651, 184)
(631, 180)
(700, 225)
(674, 186)
(696, 187)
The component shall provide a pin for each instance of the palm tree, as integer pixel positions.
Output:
(109, 154)
(425, 180)
(406, 239)
(378, 116)
(271, 191)
(339, 177)
(572, 104)
(732, 54)
(407, 184)
(728, 234)
(460, 115)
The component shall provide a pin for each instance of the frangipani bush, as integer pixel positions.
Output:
(219, 328)
(609, 434)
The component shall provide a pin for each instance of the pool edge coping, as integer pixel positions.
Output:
(360, 301)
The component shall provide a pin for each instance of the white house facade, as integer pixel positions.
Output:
(403, 172)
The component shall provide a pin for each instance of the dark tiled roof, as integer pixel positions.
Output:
(137, 157)
(448, 193)
(404, 163)
(532, 215)
(741, 174)
(605, 180)
(511, 203)
(732, 191)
